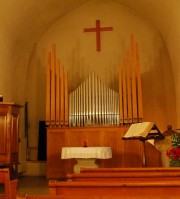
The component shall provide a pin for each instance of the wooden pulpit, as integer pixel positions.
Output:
(9, 136)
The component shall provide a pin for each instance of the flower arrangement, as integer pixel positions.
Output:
(174, 153)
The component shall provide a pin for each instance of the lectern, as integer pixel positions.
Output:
(9, 136)
(143, 131)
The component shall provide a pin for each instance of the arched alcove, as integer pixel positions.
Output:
(77, 52)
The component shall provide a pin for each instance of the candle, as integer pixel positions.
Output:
(85, 144)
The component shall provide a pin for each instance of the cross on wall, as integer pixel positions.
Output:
(98, 29)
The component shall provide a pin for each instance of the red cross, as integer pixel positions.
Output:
(98, 30)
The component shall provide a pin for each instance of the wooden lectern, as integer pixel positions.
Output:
(143, 132)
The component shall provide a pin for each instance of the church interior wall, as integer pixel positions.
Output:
(77, 52)
(24, 50)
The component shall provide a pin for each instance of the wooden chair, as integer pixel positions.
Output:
(9, 186)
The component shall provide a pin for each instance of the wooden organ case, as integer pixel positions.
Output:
(97, 114)
(9, 136)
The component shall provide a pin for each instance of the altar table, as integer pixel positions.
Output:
(86, 156)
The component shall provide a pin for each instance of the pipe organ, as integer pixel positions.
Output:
(93, 103)
(105, 115)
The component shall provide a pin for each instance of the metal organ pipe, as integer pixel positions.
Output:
(92, 103)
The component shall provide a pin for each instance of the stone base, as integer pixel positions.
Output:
(85, 163)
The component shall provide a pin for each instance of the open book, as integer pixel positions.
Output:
(143, 131)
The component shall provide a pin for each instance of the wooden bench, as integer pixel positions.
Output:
(116, 190)
(126, 175)
(130, 170)
(9, 187)
(36, 196)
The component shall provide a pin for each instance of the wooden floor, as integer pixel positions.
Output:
(32, 185)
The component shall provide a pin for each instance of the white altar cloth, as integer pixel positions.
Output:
(86, 156)
(86, 152)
